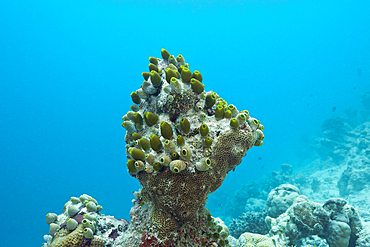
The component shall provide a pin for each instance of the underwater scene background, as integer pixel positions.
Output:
(67, 69)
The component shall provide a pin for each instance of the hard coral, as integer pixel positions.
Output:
(177, 194)
(64, 238)
(82, 224)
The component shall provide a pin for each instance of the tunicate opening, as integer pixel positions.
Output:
(176, 170)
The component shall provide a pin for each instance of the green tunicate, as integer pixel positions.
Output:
(202, 116)
(131, 166)
(169, 74)
(175, 156)
(145, 144)
(166, 130)
(180, 59)
(153, 67)
(185, 75)
(219, 112)
(153, 60)
(233, 110)
(157, 166)
(155, 143)
(241, 118)
(234, 123)
(172, 59)
(186, 153)
(150, 118)
(204, 130)
(129, 126)
(228, 114)
(210, 100)
(170, 98)
(216, 235)
(222, 242)
(185, 125)
(155, 78)
(180, 141)
(135, 108)
(196, 86)
(165, 54)
(258, 143)
(178, 75)
(146, 75)
(137, 154)
(135, 98)
(197, 75)
(137, 143)
(179, 69)
(173, 67)
(136, 136)
(246, 112)
(208, 142)
(176, 85)
(138, 120)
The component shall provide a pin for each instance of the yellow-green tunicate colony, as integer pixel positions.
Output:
(174, 121)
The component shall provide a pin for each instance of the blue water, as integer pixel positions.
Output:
(67, 69)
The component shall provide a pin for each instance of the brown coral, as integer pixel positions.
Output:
(65, 238)
(180, 196)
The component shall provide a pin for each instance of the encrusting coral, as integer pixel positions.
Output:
(181, 121)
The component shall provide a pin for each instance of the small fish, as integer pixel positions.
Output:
(262, 167)
(259, 158)
(334, 108)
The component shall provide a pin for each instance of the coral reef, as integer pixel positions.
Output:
(210, 231)
(335, 127)
(172, 108)
(236, 204)
(82, 224)
(335, 221)
(181, 143)
(281, 198)
(364, 237)
(250, 221)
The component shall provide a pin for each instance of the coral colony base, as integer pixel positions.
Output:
(181, 143)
